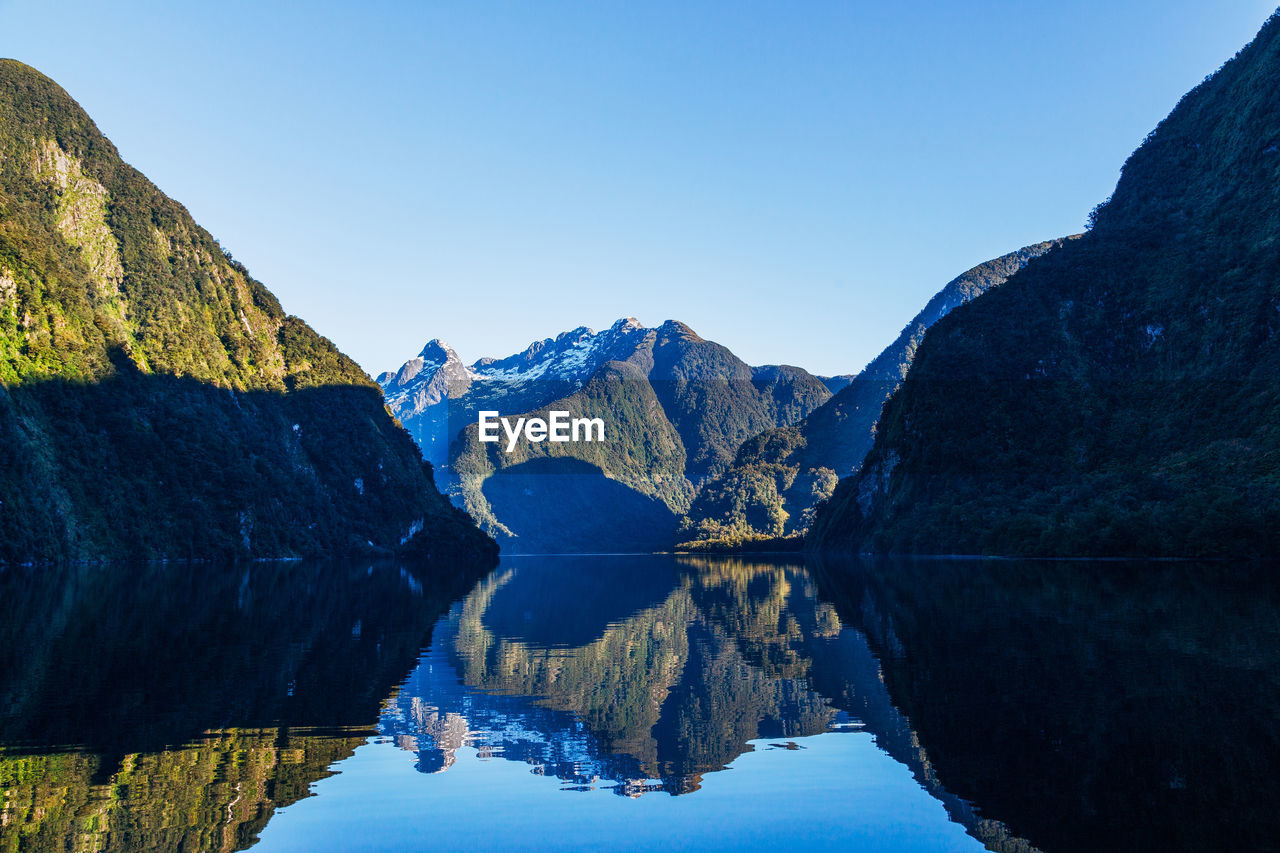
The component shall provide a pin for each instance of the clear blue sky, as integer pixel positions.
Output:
(793, 180)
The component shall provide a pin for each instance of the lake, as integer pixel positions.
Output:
(642, 702)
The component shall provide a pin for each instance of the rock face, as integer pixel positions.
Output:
(779, 476)
(421, 398)
(675, 409)
(1120, 395)
(419, 393)
(155, 400)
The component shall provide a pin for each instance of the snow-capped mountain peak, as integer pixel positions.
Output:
(573, 356)
(418, 393)
(570, 356)
(425, 379)
(437, 350)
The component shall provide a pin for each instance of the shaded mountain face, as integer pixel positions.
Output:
(779, 476)
(674, 407)
(1120, 395)
(156, 400)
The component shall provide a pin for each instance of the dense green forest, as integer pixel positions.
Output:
(156, 400)
(767, 497)
(1120, 395)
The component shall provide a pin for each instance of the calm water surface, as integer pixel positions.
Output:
(642, 702)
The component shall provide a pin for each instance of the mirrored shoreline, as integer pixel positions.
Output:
(1050, 706)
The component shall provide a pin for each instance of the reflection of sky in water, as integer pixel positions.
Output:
(505, 681)
(732, 685)
(161, 707)
(839, 793)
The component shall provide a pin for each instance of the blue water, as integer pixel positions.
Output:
(562, 702)
(641, 702)
(839, 792)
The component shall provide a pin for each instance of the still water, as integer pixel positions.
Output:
(585, 703)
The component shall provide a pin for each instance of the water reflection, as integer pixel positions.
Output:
(630, 670)
(1050, 706)
(1087, 705)
(644, 674)
(168, 707)
(1054, 706)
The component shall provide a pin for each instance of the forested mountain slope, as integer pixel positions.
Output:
(779, 476)
(156, 400)
(1122, 394)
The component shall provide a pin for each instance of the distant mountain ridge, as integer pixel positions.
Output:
(779, 476)
(677, 404)
(418, 393)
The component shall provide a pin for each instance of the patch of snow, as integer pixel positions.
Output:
(572, 357)
(414, 530)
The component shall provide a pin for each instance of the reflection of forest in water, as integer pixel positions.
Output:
(645, 674)
(1069, 706)
(630, 670)
(1094, 706)
(172, 707)
(1087, 705)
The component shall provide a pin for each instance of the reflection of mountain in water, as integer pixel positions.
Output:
(170, 707)
(1085, 706)
(643, 674)
(1089, 706)
(668, 676)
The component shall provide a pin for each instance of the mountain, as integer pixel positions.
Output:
(675, 407)
(779, 476)
(419, 394)
(1120, 396)
(155, 400)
